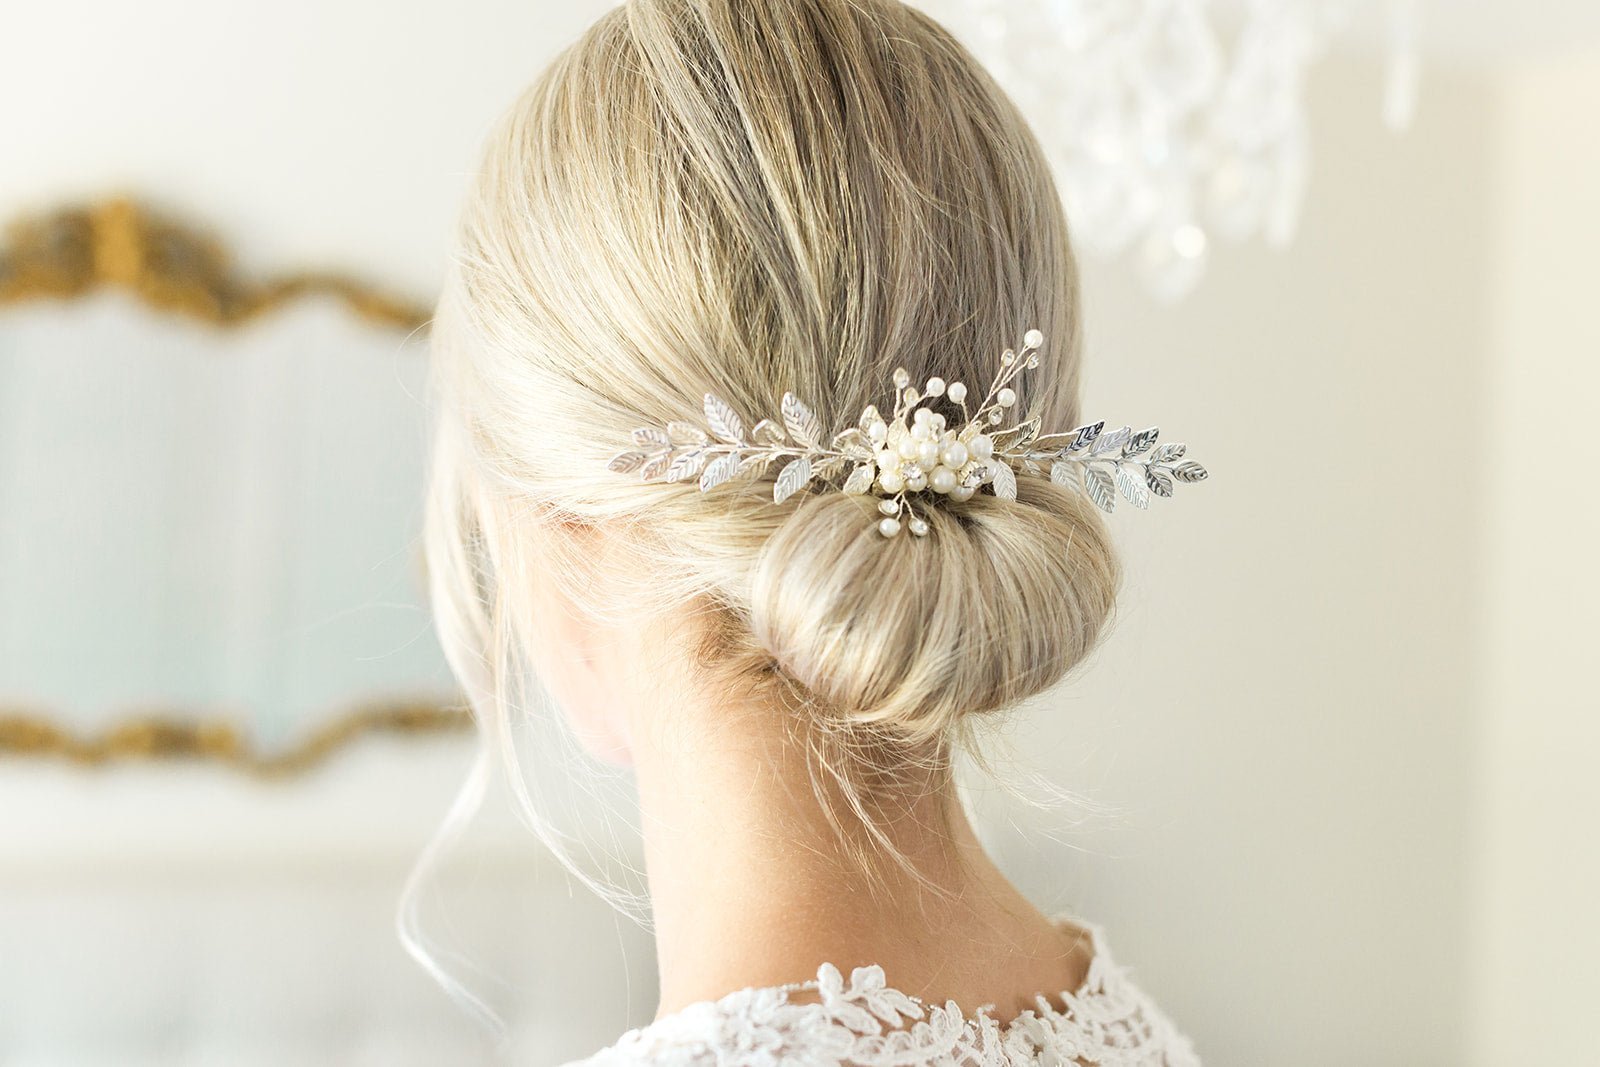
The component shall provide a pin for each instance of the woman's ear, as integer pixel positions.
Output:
(578, 654)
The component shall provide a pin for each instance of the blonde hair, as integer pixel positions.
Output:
(749, 197)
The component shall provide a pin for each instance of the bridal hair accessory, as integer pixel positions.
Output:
(913, 453)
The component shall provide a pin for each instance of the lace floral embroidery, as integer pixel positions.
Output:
(1107, 1022)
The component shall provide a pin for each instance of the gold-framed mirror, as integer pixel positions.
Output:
(211, 490)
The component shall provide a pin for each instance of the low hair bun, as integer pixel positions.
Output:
(914, 634)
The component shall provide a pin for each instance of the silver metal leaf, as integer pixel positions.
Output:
(1084, 436)
(1052, 442)
(719, 470)
(1097, 483)
(1018, 436)
(828, 467)
(1158, 481)
(791, 479)
(686, 433)
(860, 479)
(1132, 487)
(686, 465)
(646, 436)
(1110, 442)
(1003, 439)
(655, 466)
(755, 462)
(767, 432)
(624, 462)
(801, 421)
(723, 420)
(853, 443)
(1005, 481)
(1189, 472)
(1061, 472)
(1167, 453)
(1141, 442)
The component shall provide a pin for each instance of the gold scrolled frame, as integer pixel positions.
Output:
(168, 265)
(169, 737)
(176, 268)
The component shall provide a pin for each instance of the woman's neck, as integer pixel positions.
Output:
(752, 885)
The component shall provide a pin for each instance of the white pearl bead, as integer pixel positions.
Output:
(955, 454)
(981, 446)
(928, 455)
(1032, 339)
(917, 482)
(937, 422)
(888, 507)
(891, 482)
(942, 480)
(935, 386)
(901, 378)
(921, 415)
(957, 391)
(908, 447)
(1006, 397)
(878, 431)
(961, 493)
(919, 527)
(889, 527)
(888, 460)
(921, 431)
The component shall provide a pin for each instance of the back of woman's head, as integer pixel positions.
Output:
(747, 198)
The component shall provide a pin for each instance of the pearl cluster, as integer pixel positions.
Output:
(927, 455)
(917, 451)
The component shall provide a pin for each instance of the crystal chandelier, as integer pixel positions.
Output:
(1165, 130)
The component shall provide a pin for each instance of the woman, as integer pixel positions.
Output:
(824, 215)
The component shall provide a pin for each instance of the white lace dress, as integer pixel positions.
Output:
(1106, 1022)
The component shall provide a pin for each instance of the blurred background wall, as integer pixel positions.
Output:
(1537, 870)
(1343, 724)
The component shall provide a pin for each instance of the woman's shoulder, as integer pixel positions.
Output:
(862, 1021)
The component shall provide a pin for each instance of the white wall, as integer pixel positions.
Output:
(1288, 705)
(1289, 714)
(1535, 924)
(318, 134)
(188, 917)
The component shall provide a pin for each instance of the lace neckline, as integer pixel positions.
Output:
(830, 975)
(1106, 1021)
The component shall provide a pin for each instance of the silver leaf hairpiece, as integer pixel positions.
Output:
(913, 453)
